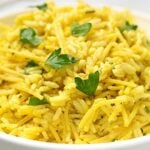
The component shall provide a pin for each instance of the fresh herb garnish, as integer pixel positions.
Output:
(33, 101)
(29, 36)
(90, 11)
(30, 68)
(147, 109)
(148, 43)
(42, 6)
(127, 27)
(112, 104)
(89, 85)
(80, 30)
(113, 140)
(31, 63)
(57, 60)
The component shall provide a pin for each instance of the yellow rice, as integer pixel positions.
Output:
(120, 108)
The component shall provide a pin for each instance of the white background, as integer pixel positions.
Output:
(138, 5)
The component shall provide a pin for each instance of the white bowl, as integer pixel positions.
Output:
(8, 142)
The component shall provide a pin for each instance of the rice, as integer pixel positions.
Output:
(120, 107)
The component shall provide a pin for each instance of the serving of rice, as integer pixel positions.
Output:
(119, 108)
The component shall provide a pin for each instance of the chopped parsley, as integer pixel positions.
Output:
(147, 109)
(128, 27)
(29, 36)
(89, 85)
(113, 140)
(57, 60)
(33, 101)
(32, 68)
(148, 42)
(42, 7)
(80, 30)
(31, 63)
(90, 11)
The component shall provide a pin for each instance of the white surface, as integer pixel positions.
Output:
(138, 5)
(8, 142)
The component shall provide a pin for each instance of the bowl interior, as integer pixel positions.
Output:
(143, 21)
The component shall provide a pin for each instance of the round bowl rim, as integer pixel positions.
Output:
(38, 144)
(113, 145)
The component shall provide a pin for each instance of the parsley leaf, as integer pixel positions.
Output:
(113, 140)
(33, 101)
(42, 6)
(29, 36)
(90, 11)
(32, 68)
(31, 63)
(148, 43)
(80, 30)
(128, 27)
(57, 60)
(147, 109)
(89, 85)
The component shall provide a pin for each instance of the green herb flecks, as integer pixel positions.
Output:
(31, 64)
(29, 36)
(43, 7)
(32, 68)
(57, 60)
(128, 27)
(147, 110)
(33, 101)
(90, 11)
(114, 140)
(148, 42)
(89, 85)
(80, 30)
